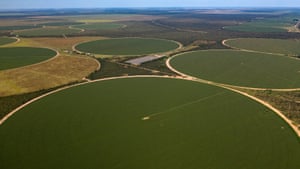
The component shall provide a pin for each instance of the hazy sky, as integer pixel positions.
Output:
(28, 4)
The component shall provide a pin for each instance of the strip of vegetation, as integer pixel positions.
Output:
(9, 103)
(287, 102)
(159, 65)
(110, 68)
(6, 40)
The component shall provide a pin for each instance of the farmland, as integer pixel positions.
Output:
(59, 71)
(127, 46)
(265, 25)
(259, 26)
(290, 47)
(6, 40)
(89, 107)
(21, 56)
(48, 31)
(240, 68)
(181, 132)
(100, 26)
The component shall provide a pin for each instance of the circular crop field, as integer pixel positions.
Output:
(240, 68)
(46, 32)
(127, 46)
(21, 56)
(262, 26)
(100, 26)
(149, 123)
(7, 40)
(281, 46)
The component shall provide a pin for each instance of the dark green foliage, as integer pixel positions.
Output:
(9, 103)
(113, 69)
(159, 65)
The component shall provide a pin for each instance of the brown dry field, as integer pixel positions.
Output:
(54, 43)
(56, 72)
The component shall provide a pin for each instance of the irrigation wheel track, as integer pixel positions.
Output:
(232, 88)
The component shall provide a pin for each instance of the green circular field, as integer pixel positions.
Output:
(46, 32)
(21, 56)
(262, 26)
(127, 46)
(100, 26)
(7, 40)
(240, 68)
(148, 123)
(288, 46)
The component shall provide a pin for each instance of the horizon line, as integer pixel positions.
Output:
(163, 7)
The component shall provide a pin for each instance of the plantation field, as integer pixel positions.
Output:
(56, 72)
(240, 68)
(58, 43)
(46, 32)
(22, 56)
(100, 26)
(18, 27)
(261, 26)
(127, 46)
(288, 47)
(188, 125)
(6, 40)
(60, 23)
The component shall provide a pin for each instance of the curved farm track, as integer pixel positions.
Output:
(233, 88)
(57, 71)
(182, 76)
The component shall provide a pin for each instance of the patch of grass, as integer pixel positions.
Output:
(22, 56)
(127, 46)
(290, 47)
(6, 40)
(190, 125)
(240, 68)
